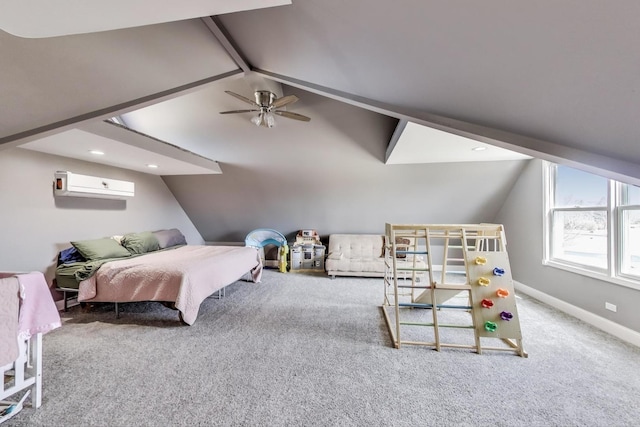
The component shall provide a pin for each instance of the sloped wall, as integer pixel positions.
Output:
(49, 80)
(361, 199)
(226, 207)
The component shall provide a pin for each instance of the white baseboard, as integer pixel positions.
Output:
(613, 328)
(214, 243)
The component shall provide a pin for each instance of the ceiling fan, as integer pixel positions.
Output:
(266, 105)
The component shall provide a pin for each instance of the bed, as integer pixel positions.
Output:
(181, 275)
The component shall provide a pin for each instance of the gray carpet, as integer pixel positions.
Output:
(304, 350)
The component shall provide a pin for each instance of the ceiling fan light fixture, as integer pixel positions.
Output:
(270, 119)
(267, 120)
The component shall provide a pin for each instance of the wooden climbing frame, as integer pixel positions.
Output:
(475, 254)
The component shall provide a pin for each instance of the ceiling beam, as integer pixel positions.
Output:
(107, 112)
(117, 132)
(609, 167)
(215, 26)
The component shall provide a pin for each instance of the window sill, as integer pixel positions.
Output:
(628, 283)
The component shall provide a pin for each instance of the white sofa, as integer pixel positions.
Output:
(355, 255)
(358, 255)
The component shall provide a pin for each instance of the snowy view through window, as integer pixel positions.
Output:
(580, 221)
(580, 234)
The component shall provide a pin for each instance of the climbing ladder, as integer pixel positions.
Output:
(475, 268)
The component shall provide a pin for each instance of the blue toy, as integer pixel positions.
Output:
(261, 237)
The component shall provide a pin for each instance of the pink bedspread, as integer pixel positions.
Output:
(186, 276)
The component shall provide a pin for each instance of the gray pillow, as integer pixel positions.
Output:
(100, 249)
(140, 243)
(169, 238)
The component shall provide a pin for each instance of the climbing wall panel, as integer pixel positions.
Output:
(494, 311)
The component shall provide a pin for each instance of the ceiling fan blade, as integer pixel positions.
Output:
(281, 102)
(242, 98)
(290, 115)
(237, 111)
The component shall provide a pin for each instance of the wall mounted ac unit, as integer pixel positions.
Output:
(76, 185)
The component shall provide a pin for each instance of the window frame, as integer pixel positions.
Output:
(615, 211)
(622, 242)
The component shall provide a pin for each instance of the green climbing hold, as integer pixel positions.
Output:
(490, 326)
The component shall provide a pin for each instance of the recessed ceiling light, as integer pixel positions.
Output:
(152, 166)
(479, 148)
(97, 152)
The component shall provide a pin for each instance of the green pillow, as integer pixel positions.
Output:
(140, 243)
(100, 249)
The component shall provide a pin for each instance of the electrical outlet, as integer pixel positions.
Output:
(610, 307)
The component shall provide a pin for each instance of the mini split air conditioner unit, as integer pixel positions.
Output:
(76, 185)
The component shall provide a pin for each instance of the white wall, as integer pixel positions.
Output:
(35, 225)
(522, 217)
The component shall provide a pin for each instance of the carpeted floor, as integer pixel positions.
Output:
(304, 350)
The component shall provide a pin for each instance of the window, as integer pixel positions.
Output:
(579, 222)
(592, 225)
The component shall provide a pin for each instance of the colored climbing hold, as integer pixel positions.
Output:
(505, 315)
(480, 260)
(502, 293)
(486, 303)
(498, 271)
(483, 281)
(490, 326)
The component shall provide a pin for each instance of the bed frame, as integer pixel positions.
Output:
(219, 294)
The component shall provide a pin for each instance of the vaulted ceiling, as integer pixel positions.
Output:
(556, 80)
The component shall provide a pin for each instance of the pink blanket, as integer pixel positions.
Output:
(186, 276)
(38, 312)
(26, 309)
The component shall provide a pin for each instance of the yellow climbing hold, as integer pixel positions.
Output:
(480, 260)
(483, 281)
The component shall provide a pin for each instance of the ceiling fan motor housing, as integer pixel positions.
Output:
(264, 98)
